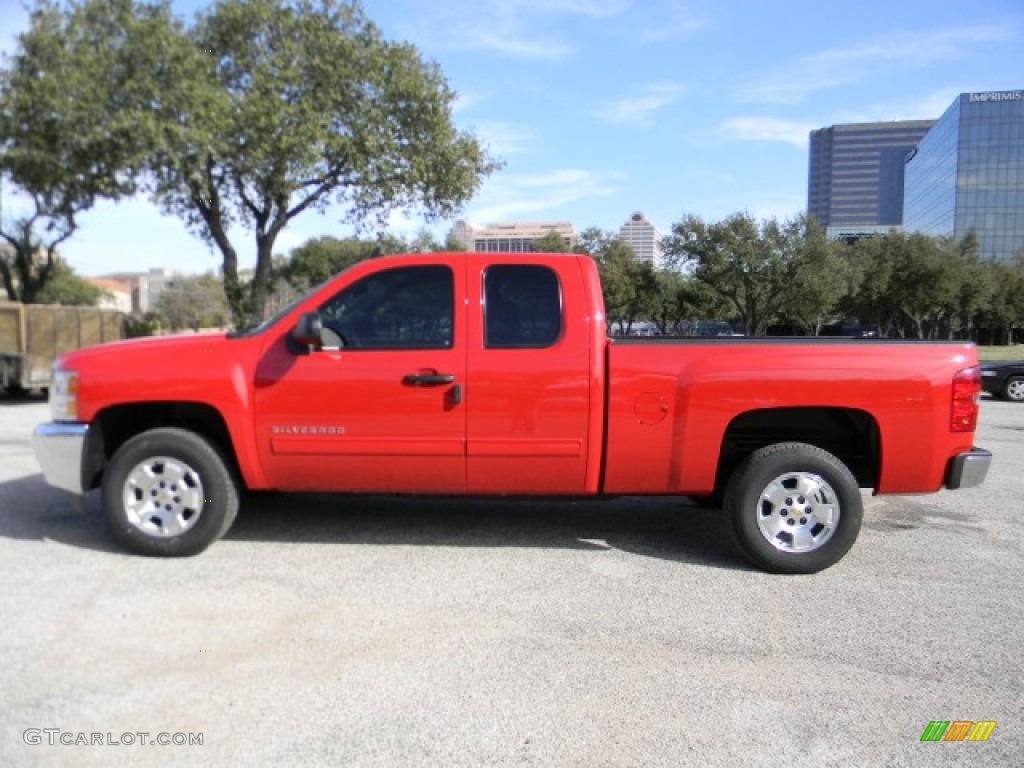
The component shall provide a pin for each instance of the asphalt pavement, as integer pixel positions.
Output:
(326, 630)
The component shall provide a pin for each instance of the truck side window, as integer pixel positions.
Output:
(401, 308)
(522, 307)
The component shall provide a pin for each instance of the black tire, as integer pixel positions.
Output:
(795, 508)
(169, 493)
(1013, 390)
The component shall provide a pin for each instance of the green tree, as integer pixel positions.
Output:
(192, 302)
(65, 287)
(678, 304)
(925, 283)
(818, 275)
(66, 136)
(744, 263)
(1005, 310)
(264, 109)
(977, 284)
(552, 242)
(869, 300)
(593, 241)
(616, 265)
(321, 258)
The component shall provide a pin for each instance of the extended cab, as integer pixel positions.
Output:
(487, 374)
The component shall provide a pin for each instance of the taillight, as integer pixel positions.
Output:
(966, 391)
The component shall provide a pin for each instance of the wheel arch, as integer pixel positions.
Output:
(114, 426)
(850, 434)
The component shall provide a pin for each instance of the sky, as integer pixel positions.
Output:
(600, 108)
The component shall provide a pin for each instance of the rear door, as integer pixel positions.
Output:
(528, 367)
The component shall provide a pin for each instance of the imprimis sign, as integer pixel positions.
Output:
(996, 96)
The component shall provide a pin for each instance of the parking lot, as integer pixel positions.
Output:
(385, 632)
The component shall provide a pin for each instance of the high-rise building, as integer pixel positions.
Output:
(967, 174)
(640, 233)
(856, 173)
(511, 238)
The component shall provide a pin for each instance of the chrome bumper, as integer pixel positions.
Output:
(967, 470)
(58, 448)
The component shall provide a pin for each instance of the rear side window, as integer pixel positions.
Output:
(522, 307)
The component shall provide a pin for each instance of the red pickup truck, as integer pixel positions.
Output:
(492, 374)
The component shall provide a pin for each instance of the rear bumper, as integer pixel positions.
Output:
(58, 448)
(967, 470)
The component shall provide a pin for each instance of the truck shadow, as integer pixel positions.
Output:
(31, 510)
(670, 529)
(664, 528)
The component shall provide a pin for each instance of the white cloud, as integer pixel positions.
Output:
(538, 29)
(769, 129)
(509, 197)
(781, 208)
(592, 8)
(516, 28)
(928, 107)
(465, 101)
(665, 21)
(840, 66)
(643, 106)
(503, 139)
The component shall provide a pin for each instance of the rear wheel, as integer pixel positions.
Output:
(795, 508)
(1014, 389)
(168, 492)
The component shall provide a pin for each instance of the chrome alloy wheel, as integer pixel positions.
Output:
(798, 512)
(1015, 389)
(163, 496)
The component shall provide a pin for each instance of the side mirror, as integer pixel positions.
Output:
(308, 332)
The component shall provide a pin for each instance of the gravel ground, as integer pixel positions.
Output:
(394, 632)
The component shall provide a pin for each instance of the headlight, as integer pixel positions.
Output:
(989, 374)
(64, 395)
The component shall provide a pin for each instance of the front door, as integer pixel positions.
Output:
(379, 407)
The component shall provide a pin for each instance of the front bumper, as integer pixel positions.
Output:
(967, 470)
(59, 448)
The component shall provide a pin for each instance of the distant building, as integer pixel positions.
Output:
(851, 234)
(119, 295)
(967, 174)
(856, 172)
(145, 287)
(510, 238)
(644, 237)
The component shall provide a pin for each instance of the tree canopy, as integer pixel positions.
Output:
(67, 134)
(192, 302)
(257, 112)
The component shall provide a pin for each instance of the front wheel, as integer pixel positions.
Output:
(1014, 389)
(795, 508)
(168, 492)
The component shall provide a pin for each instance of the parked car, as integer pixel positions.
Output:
(1005, 380)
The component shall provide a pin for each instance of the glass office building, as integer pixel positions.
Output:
(855, 177)
(968, 174)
